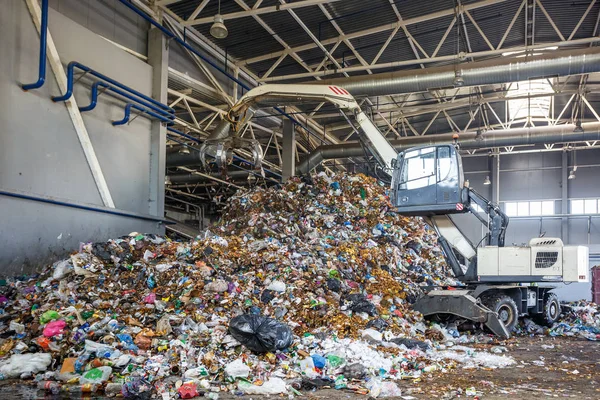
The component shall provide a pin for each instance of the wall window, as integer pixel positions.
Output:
(585, 206)
(529, 208)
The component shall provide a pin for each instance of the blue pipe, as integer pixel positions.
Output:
(69, 93)
(49, 200)
(43, 41)
(128, 108)
(170, 129)
(96, 93)
(170, 34)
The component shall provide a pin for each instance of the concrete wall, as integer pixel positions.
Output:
(538, 176)
(108, 18)
(40, 152)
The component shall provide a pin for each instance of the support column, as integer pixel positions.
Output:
(564, 209)
(495, 178)
(158, 58)
(288, 168)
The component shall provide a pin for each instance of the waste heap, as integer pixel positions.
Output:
(578, 318)
(311, 283)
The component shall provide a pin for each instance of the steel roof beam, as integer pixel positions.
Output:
(370, 31)
(251, 12)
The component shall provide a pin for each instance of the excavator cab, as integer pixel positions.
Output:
(429, 181)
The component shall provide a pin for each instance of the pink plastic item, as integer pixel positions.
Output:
(150, 299)
(54, 328)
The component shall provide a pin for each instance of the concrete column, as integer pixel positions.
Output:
(564, 209)
(158, 58)
(289, 150)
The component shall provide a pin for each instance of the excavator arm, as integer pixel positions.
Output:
(274, 95)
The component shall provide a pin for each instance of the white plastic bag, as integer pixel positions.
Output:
(62, 269)
(371, 335)
(272, 386)
(277, 286)
(19, 364)
(237, 369)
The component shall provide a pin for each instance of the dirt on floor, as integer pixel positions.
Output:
(547, 367)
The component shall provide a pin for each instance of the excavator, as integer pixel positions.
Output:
(499, 283)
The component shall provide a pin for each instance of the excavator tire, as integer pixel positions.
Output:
(551, 311)
(505, 307)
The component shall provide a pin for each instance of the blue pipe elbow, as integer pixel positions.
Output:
(43, 42)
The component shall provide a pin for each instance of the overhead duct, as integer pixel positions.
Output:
(469, 140)
(498, 70)
(195, 178)
(177, 159)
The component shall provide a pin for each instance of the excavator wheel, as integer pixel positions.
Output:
(505, 307)
(551, 311)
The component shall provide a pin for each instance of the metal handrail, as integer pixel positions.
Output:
(70, 82)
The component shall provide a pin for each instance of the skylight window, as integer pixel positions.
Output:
(525, 107)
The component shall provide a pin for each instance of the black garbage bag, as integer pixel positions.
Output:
(334, 285)
(359, 304)
(102, 251)
(316, 383)
(260, 334)
(267, 295)
(378, 324)
(411, 343)
(355, 371)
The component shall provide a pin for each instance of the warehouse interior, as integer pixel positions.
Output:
(115, 118)
(142, 171)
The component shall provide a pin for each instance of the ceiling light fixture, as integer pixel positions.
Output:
(572, 173)
(168, 180)
(578, 127)
(218, 29)
(458, 79)
(184, 150)
(487, 181)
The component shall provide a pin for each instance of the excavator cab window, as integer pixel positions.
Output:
(418, 169)
(428, 181)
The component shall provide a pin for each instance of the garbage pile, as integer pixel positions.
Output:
(304, 287)
(579, 318)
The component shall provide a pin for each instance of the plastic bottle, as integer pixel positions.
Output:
(98, 362)
(49, 386)
(81, 362)
(79, 389)
(99, 324)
